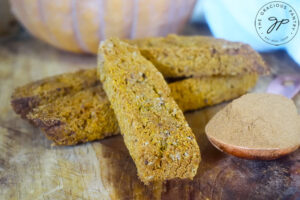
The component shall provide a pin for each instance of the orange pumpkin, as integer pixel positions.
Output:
(79, 25)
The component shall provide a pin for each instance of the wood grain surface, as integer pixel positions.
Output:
(31, 168)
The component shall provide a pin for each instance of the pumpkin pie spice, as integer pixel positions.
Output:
(258, 121)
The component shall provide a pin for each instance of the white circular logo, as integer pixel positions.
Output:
(276, 23)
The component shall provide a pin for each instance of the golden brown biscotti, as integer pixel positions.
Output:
(195, 93)
(62, 121)
(77, 117)
(154, 129)
(29, 96)
(184, 56)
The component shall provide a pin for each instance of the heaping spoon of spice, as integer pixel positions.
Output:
(256, 126)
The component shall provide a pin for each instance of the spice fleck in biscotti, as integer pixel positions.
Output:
(155, 131)
(61, 118)
(184, 56)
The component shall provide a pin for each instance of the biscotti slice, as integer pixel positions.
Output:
(31, 95)
(195, 93)
(155, 131)
(76, 118)
(184, 56)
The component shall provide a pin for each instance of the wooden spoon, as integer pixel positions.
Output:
(251, 153)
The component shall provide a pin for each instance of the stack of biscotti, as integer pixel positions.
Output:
(73, 108)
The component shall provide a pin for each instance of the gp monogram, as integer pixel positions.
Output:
(276, 23)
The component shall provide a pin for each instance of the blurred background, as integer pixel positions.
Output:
(78, 26)
(234, 20)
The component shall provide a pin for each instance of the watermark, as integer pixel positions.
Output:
(276, 23)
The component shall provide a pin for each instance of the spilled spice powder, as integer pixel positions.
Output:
(259, 121)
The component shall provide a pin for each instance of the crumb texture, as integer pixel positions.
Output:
(256, 120)
(182, 56)
(194, 93)
(33, 94)
(77, 118)
(155, 131)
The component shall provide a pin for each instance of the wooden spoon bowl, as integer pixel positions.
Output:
(251, 153)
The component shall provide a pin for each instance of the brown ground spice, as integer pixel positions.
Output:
(257, 121)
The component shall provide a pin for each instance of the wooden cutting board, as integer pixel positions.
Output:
(30, 168)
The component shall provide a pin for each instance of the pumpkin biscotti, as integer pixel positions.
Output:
(184, 56)
(82, 113)
(31, 95)
(155, 131)
(77, 117)
(195, 93)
